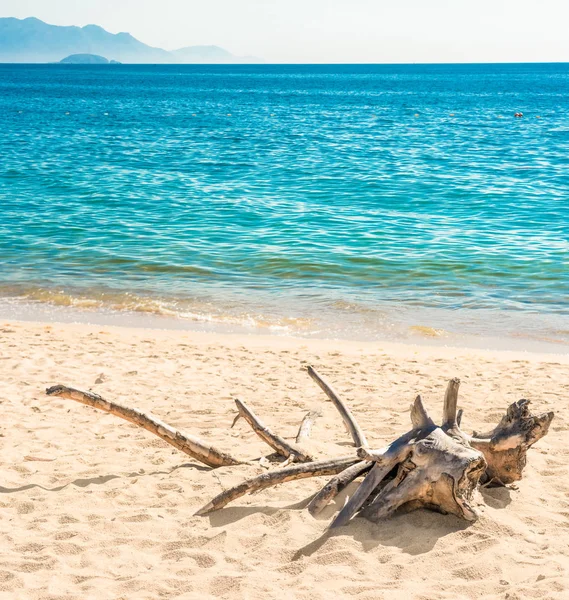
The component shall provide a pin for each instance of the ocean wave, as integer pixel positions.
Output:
(178, 308)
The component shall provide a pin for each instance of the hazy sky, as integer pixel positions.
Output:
(330, 30)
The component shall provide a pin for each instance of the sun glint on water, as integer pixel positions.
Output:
(346, 201)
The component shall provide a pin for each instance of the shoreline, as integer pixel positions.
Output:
(421, 334)
(261, 341)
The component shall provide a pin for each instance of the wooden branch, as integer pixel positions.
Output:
(419, 415)
(190, 445)
(459, 416)
(336, 485)
(394, 454)
(452, 417)
(373, 479)
(306, 425)
(450, 405)
(355, 431)
(276, 442)
(385, 454)
(272, 478)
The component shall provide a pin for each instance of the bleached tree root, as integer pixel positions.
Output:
(272, 478)
(189, 444)
(440, 474)
(276, 442)
(385, 461)
(349, 420)
(505, 447)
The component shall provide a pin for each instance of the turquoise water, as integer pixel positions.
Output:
(347, 201)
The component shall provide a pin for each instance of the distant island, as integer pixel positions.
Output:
(33, 41)
(87, 59)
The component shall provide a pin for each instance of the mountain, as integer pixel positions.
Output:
(33, 41)
(84, 59)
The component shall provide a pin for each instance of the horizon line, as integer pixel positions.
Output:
(299, 64)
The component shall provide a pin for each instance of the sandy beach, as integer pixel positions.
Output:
(93, 507)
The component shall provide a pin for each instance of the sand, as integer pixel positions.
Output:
(93, 507)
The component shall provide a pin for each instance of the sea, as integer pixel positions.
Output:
(357, 202)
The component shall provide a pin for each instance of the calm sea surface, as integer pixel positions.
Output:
(363, 202)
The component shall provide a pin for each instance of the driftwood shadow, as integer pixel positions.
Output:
(413, 533)
(496, 497)
(231, 515)
(227, 516)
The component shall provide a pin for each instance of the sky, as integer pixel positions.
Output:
(330, 31)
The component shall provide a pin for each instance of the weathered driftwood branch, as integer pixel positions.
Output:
(352, 425)
(189, 444)
(450, 410)
(306, 426)
(336, 485)
(272, 478)
(419, 416)
(276, 442)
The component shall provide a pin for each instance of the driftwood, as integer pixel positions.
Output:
(336, 485)
(276, 442)
(351, 424)
(265, 480)
(505, 447)
(430, 466)
(189, 444)
(439, 473)
(306, 426)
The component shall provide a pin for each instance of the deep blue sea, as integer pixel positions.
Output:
(362, 202)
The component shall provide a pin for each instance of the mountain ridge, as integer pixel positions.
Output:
(31, 40)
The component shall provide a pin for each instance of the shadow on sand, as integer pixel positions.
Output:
(100, 479)
(497, 497)
(413, 533)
